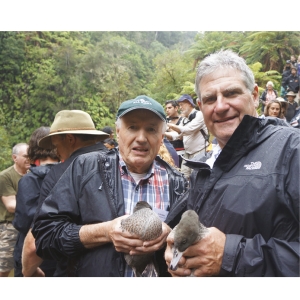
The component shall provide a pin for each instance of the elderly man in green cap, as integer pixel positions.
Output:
(81, 218)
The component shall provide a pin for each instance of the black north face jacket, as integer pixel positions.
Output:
(90, 191)
(252, 194)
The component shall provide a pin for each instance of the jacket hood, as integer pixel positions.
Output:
(41, 171)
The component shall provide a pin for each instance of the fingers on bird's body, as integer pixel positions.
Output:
(206, 255)
(170, 238)
(126, 245)
(180, 271)
(151, 246)
(130, 243)
(156, 244)
(123, 240)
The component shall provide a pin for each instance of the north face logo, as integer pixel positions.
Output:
(253, 166)
(142, 101)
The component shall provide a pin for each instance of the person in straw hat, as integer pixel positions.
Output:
(81, 217)
(292, 105)
(72, 133)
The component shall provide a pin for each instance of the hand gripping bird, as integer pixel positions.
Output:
(187, 232)
(147, 225)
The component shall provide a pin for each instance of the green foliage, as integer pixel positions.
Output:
(43, 72)
(172, 72)
(212, 41)
(261, 78)
(271, 48)
(99, 113)
(6, 148)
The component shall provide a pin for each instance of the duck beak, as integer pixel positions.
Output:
(176, 257)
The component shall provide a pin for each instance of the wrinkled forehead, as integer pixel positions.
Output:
(226, 76)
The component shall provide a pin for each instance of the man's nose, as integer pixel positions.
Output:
(141, 135)
(221, 104)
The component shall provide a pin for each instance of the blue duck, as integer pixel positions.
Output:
(147, 225)
(187, 232)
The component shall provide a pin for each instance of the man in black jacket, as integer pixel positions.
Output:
(72, 133)
(247, 191)
(81, 217)
(292, 81)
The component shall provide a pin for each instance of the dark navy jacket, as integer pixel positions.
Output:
(293, 83)
(26, 203)
(252, 195)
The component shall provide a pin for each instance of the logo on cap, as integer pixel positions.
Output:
(142, 101)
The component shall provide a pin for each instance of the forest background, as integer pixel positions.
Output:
(43, 72)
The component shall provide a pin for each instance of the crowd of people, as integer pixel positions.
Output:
(290, 77)
(286, 106)
(71, 186)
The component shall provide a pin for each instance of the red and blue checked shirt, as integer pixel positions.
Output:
(153, 188)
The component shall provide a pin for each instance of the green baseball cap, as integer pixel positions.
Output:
(142, 102)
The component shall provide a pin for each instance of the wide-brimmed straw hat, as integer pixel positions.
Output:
(73, 122)
(291, 93)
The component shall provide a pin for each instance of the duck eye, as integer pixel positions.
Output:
(184, 241)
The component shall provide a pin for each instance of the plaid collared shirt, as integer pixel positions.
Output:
(153, 188)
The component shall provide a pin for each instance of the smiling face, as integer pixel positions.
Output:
(225, 100)
(140, 135)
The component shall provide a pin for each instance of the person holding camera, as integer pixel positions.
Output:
(192, 129)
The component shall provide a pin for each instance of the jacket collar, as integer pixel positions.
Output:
(251, 132)
(96, 147)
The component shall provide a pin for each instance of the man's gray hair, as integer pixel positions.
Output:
(224, 59)
(118, 124)
(16, 148)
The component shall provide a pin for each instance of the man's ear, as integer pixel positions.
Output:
(117, 131)
(255, 96)
(70, 138)
(199, 103)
